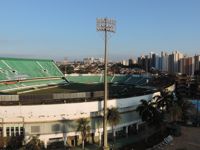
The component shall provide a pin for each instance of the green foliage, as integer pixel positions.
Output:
(83, 127)
(66, 69)
(175, 112)
(15, 142)
(34, 144)
(165, 101)
(149, 113)
(113, 116)
(175, 108)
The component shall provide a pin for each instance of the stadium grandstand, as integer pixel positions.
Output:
(36, 99)
(22, 74)
(116, 78)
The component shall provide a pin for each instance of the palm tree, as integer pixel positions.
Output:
(164, 102)
(175, 112)
(149, 113)
(146, 111)
(113, 118)
(84, 128)
(34, 144)
(186, 108)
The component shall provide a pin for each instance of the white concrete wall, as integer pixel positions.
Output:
(70, 111)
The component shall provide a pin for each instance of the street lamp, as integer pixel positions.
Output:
(106, 25)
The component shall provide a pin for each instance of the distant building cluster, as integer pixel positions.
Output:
(129, 62)
(173, 63)
(91, 60)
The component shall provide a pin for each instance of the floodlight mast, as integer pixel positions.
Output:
(106, 25)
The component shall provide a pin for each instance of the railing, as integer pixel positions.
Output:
(50, 97)
(67, 97)
(9, 97)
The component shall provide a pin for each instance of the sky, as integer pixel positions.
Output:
(58, 29)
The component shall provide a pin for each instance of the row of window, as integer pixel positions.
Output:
(54, 128)
(14, 131)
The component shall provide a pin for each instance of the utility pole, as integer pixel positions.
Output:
(106, 25)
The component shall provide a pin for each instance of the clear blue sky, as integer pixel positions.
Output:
(67, 28)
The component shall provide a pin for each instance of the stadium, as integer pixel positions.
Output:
(37, 99)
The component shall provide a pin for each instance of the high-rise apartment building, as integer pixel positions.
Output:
(173, 62)
(164, 61)
(196, 62)
(158, 62)
(125, 62)
(143, 62)
(152, 60)
(186, 65)
(190, 66)
(155, 61)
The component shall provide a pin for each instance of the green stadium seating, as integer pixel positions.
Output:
(89, 79)
(84, 79)
(119, 78)
(28, 72)
(13, 69)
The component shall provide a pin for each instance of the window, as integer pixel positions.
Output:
(1, 132)
(56, 127)
(17, 131)
(35, 129)
(12, 131)
(7, 131)
(21, 131)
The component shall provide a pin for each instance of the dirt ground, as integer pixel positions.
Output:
(189, 140)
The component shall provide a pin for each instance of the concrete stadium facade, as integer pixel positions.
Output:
(53, 122)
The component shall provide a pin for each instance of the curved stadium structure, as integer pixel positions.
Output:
(38, 100)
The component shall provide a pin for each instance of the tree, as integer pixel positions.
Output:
(165, 101)
(84, 128)
(175, 112)
(147, 111)
(186, 108)
(67, 69)
(34, 144)
(14, 142)
(115, 68)
(150, 114)
(195, 92)
(113, 118)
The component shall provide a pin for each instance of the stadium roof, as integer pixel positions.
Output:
(35, 59)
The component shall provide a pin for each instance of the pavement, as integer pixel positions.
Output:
(189, 140)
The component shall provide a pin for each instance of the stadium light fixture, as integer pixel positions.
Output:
(105, 25)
